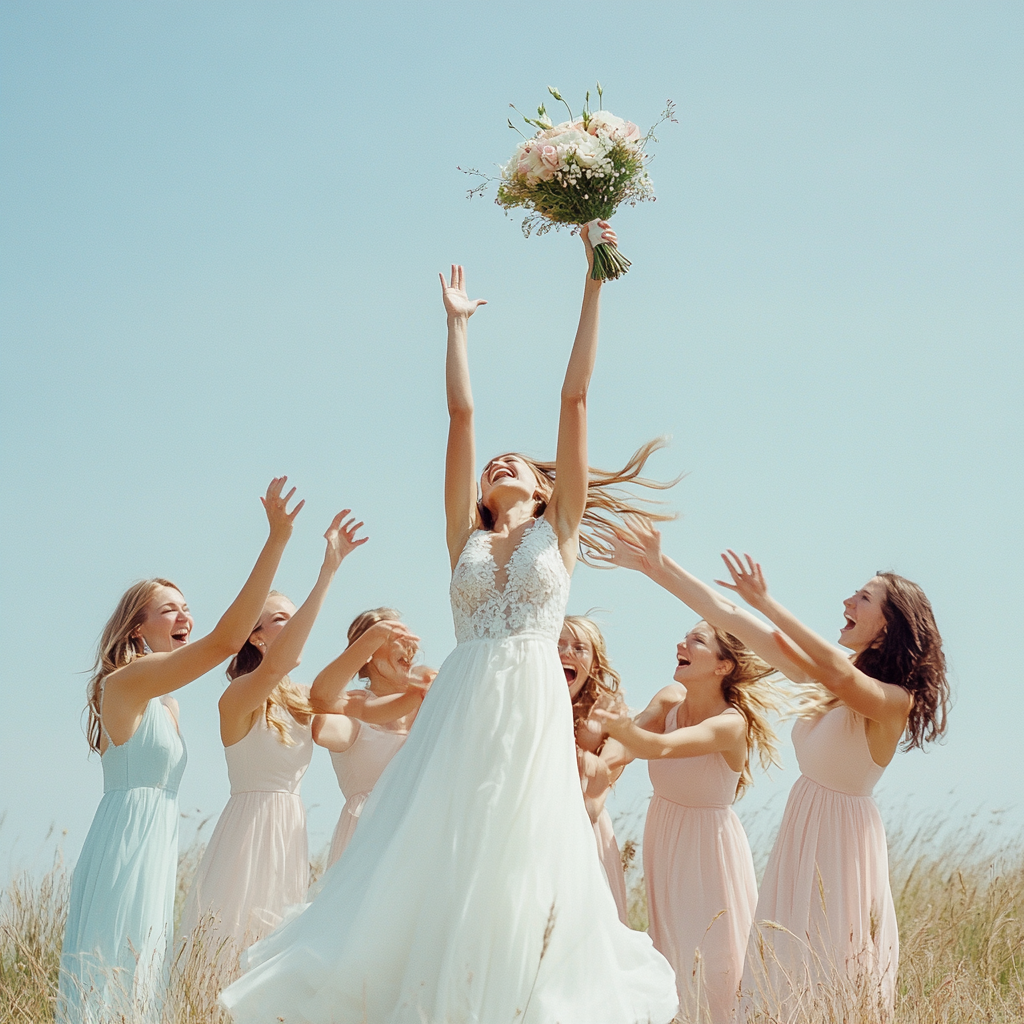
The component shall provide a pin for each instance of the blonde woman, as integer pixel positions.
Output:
(700, 734)
(257, 860)
(120, 913)
(594, 683)
(365, 729)
(470, 890)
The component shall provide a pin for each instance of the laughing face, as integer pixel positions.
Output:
(865, 617)
(168, 622)
(577, 656)
(509, 475)
(698, 657)
(394, 660)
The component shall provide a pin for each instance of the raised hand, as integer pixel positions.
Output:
(457, 302)
(747, 579)
(616, 721)
(607, 236)
(388, 630)
(634, 545)
(281, 520)
(341, 540)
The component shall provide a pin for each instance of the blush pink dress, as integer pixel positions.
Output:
(257, 862)
(608, 850)
(827, 880)
(701, 888)
(358, 770)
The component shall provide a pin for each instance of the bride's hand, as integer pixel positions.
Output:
(608, 236)
(457, 303)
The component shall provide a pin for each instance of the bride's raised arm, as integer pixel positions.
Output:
(459, 468)
(569, 497)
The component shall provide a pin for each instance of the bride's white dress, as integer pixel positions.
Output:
(471, 893)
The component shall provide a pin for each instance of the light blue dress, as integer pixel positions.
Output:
(121, 913)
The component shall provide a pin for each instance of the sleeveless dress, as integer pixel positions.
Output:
(117, 939)
(611, 861)
(701, 887)
(257, 860)
(471, 892)
(827, 880)
(358, 770)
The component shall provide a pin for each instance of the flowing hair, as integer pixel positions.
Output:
(606, 500)
(363, 621)
(287, 695)
(746, 688)
(603, 683)
(118, 647)
(906, 652)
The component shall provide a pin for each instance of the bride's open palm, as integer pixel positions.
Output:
(456, 300)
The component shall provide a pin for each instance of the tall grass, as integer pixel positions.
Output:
(960, 905)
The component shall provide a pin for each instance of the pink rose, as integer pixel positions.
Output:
(549, 156)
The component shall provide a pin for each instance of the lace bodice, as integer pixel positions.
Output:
(534, 597)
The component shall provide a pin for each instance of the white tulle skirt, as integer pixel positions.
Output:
(471, 893)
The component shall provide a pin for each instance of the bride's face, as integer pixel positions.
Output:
(507, 475)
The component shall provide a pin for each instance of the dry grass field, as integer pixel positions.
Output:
(960, 905)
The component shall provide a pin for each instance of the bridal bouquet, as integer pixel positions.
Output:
(576, 173)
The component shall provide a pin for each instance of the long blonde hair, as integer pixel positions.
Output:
(746, 688)
(118, 647)
(287, 695)
(603, 683)
(606, 499)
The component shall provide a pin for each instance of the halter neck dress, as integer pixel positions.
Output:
(358, 768)
(117, 939)
(827, 880)
(257, 860)
(471, 890)
(699, 874)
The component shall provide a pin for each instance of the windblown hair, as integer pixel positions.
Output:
(287, 695)
(747, 689)
(603, 683)
(363, 621)
(118, 647)
(907, 652)
(606, 498)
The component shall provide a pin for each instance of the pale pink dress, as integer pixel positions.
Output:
(611, 859)
(827, 880)
(257, 861)
(358, 770)
(701, 888)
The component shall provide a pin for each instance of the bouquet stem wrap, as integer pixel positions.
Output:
(609, 263)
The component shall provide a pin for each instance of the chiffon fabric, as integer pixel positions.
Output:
(699, 873)
(257, 860)
(471, 890)
(358, 768)
(611, 860)
(827, 881)
(117, 940)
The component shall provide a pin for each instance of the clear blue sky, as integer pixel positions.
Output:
(222, 226)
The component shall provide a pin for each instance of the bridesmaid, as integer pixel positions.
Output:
(699, 734)
(257, 861)
(592, 683)
(120, 914)
(364, 729)
(827, 880)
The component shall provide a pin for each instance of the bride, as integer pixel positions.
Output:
(471, 893)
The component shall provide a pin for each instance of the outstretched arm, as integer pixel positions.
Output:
(247, 694)
(569, 497)
(127, 690)
(821, 661)
(460, 459)
(637, 545)
(714, 735)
